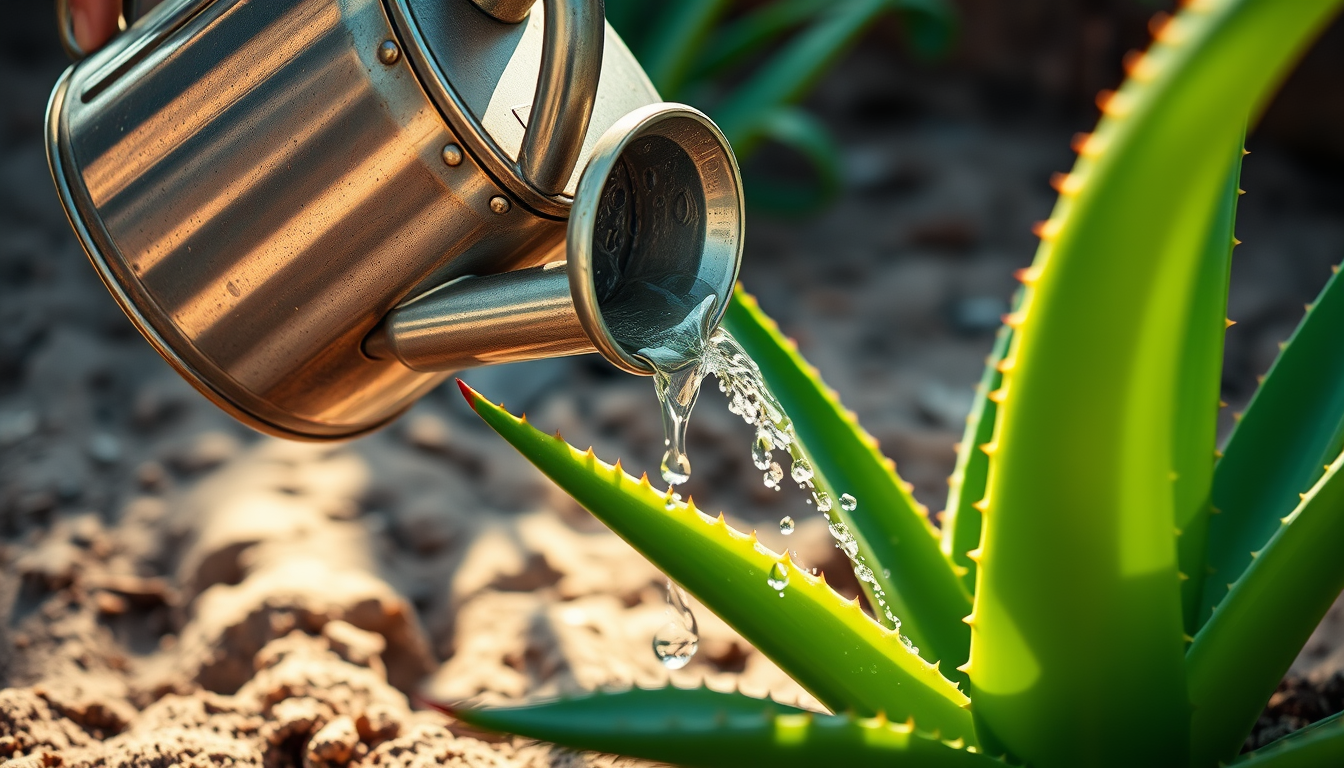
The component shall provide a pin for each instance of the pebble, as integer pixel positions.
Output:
(15, 426)
(103, 448)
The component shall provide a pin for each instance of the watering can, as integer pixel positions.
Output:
(316, 209)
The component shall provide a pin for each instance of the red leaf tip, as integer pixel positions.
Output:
(471, 395)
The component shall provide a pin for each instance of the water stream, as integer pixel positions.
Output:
(682, 356)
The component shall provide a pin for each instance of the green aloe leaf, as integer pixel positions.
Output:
(1291, 430)
(741, 38)
(1319, 744)
(892, 528)
(1079, 551)
(930, 26)
(1197, 400)
(1244, 650)
(805, 135)
(789, 74)
(966, 486)
(826, 643)
(682, 27)
(702, 728)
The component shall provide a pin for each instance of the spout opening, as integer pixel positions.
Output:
(655, 235)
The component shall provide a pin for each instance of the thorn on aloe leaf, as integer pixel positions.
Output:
(1086, 144)
(1158, 23)
(1112, 103)
(1046, 230)
(989, 448)
(1229, 322)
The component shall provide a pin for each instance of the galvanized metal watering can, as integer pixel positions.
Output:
(314, 209)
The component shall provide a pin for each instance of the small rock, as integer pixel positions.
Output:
(104, 449)
(206, 451)
(428, 432)
(426, 525)
(355, 645)
(85, 528)
(378, 723)
(110, 604)
(152, 476)
(16, 426)
(333, 744)
(53, 564)
(295, 717)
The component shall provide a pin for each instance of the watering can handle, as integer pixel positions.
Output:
(571, 61)
(65, 25)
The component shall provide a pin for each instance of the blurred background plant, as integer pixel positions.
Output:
(748, 66)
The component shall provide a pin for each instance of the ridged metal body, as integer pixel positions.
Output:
(259, 182)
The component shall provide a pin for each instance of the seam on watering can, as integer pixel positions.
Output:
(487, 154)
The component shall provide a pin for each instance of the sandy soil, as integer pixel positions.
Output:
(177, 589)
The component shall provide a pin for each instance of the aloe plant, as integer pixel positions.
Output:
(688, 49)
(1107, 588)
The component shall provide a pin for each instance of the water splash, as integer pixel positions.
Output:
(682, 356)
(677, 641)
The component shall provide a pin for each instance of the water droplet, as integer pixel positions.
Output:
(674, 646)
(848, 503)
(676, 467)
(823, 500)
(773, 475)
(678, 640)
(672, 500)
(801, 471)
(779, 577)
(786, 525)
(760, 451)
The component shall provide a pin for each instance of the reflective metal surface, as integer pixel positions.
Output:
(508, 11)
(660, 204)
(483, 76)
(571, 60)
(261, 182)
(522, 315)
(259, 189)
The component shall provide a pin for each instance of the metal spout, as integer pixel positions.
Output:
(655, 231)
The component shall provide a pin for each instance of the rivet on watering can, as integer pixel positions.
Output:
(452, 155)
(500, 204)
(389, 53)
